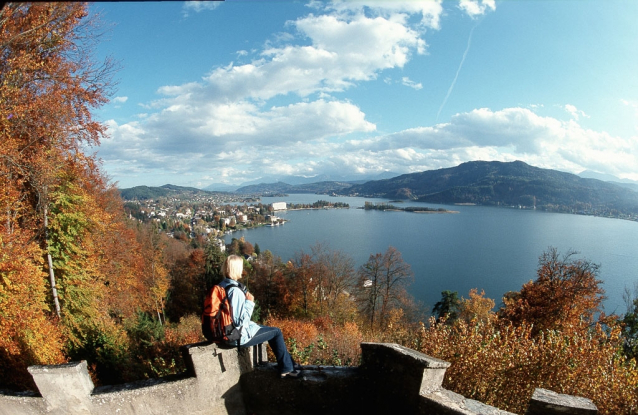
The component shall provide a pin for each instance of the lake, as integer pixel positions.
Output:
(490, 248)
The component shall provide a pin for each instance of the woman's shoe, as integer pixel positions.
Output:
(293, 375)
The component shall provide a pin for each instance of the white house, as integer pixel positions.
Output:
(279, 206)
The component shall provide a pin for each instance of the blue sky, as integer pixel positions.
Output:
(242, 91)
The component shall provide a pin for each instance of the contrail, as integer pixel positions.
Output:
(449, 91)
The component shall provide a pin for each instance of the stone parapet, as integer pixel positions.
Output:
(210, 386)
(223, 381)
(546, 402)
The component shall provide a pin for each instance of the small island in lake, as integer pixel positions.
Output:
(320, 204)
(416, 209)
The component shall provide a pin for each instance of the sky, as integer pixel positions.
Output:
(248, 91)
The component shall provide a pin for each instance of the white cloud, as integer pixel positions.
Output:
(199, 6)
(408, 82)
(575, 112)
(476, 8)
(430, 11)
(343, 51)
(120, 100)
(298, 139)
(510, 134)
(283, 112)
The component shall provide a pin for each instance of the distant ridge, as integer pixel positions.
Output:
(510, 184)
(629, 184)
(478, 182)
(148, 192)
(281, 187)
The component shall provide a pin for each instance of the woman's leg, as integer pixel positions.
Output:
(275, 339)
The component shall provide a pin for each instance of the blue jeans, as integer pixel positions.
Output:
(275, 339)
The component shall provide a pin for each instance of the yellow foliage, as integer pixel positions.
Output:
(477, 307)
(501, 364)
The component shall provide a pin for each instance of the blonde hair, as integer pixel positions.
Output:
(233, 267)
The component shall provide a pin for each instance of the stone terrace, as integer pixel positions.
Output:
(391, 379)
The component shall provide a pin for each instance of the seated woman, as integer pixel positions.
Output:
(242, 305)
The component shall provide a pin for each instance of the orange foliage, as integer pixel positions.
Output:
(501, 364)
(477, 307)
(564, 293)
(188, 330)
(188, 285)
(28, 335)
(321, 342)
(47, 85)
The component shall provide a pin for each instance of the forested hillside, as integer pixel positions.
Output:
(73, 272)
(150, 192)
(506, 184)
(281, 187)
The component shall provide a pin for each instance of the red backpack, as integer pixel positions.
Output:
(217, 321)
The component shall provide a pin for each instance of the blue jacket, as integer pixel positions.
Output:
(241, 310)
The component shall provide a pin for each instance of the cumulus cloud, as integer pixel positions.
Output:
(505, 135)
(343, 51)
(575, 112)
(429, 11)
(120, 100)
(283, 111)
(199, 6)
(295, 139)
(476, 8)
(227, 115)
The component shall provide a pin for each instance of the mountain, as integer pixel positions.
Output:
(629, 184)
(220, 187)
(281, 187)
(510, 184)
(320, 178)
(148, 192)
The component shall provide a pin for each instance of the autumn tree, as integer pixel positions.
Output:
(381, 285)
(477, 307)
(246, 248)
(270, 285)
(630, 322)
(565, 293)
(213, 266)
(155, 276)
(188, 285)
(300, 273)
(336, 279)
(48, 85)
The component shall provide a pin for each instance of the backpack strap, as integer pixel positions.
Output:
(243, 289)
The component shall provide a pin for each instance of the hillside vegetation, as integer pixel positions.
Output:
(281, 187)
(150, 192)
(506, 184)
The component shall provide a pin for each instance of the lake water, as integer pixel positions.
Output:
(490, 248)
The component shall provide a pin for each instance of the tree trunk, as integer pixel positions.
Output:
(54, 291)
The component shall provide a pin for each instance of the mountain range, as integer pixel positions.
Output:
(153, 192)
(479, 182)
(511, 184)
(296, 180)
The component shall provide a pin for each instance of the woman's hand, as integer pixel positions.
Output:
(249, 296)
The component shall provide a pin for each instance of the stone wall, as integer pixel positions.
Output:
(391, 379)
(210, 386)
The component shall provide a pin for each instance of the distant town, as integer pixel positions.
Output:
(206, 217)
